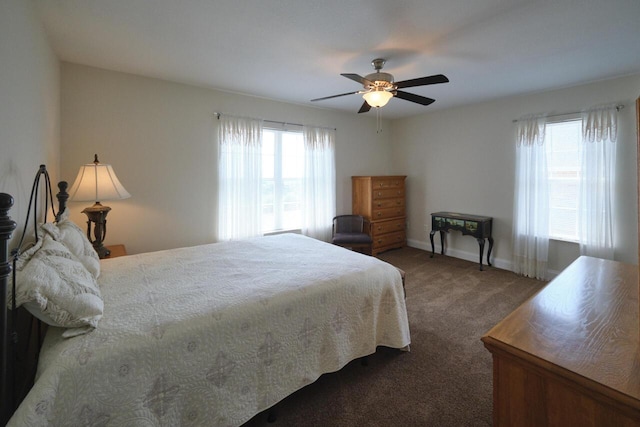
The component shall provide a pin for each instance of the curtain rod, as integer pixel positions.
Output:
(618, 108)
(282, 123)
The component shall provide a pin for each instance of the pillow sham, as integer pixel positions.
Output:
(56, 288)
(70, 235)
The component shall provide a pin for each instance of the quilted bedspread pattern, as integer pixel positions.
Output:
(214, 334)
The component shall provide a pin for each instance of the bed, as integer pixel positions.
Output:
(214, 334)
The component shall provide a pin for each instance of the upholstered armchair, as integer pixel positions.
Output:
(349, 232)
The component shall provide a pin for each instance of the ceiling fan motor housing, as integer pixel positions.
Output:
(380, 80)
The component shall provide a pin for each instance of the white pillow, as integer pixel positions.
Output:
(69, 234)
(56, 288)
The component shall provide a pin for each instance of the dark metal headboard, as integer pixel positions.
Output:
(6, 231)
(18, 358)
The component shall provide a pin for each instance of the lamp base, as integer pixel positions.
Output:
(97, 215)
(102, 251)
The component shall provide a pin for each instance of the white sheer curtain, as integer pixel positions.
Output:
(239, 178)
(531, 200)
(597, 184)
(319, 182)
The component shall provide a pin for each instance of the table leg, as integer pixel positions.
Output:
(442, 242)
(481, 243)
(490, 247)
(433, 249)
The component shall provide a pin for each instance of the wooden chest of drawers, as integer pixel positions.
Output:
(381, 200)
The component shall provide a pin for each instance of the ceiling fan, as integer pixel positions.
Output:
(379, 87)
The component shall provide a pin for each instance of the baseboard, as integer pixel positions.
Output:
(500, 263)
(552, 274)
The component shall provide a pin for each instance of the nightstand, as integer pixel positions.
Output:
(116, 251)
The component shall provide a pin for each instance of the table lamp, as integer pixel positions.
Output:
(97, 182)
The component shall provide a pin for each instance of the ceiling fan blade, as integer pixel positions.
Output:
(414, 98)
(365, 107)
(335, 96)
(422, 81)
(358, 78)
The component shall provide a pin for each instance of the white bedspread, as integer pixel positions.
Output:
(214, 334)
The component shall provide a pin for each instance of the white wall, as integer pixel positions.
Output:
(462, 159)
(29, 103)
(159, 138)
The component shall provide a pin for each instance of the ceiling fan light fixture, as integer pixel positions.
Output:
(379, 87)
(377, 98)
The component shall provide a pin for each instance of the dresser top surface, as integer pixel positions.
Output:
(584, 322)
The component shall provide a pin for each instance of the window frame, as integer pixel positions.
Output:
(279, 181)
(556, 120)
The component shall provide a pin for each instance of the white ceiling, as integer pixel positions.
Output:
(295, 50)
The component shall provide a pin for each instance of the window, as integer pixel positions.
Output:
(565, 186)
(290, 187)
(282, 180)
(562, 142)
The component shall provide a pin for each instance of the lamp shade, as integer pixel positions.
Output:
(377, 98)
(97, 182)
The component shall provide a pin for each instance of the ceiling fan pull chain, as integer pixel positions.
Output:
(378, 121)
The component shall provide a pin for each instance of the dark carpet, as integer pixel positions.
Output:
(446, 378)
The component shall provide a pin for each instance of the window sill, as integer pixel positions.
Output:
(564, 240)
(274, 232)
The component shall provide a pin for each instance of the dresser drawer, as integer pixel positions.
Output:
(387, 213)
(384, 227)
(398, 238)
(388, 193)
(387, 182)
(388, 203)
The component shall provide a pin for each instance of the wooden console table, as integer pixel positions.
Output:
(471, 225)
(569, 356)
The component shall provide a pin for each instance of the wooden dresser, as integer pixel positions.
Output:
(570, 356)
(381, 200)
